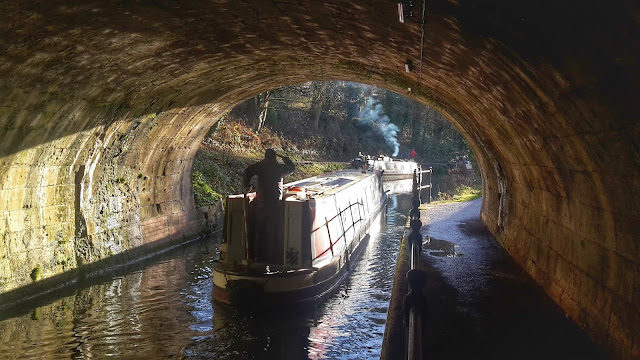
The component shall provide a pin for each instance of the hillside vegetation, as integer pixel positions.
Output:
(321, 126)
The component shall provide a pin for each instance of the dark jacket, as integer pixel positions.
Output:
(270, 173)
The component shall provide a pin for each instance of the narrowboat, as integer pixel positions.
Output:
(392, 168)
(324, 225)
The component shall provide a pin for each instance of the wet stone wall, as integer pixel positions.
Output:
(94, 195)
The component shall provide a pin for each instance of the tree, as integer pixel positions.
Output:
(264, 108)
(318, 100)
(335, 105)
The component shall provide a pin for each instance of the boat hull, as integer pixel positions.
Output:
(316, 270)
(272, 290)
(297, 289)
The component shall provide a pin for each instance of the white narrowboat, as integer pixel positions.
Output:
(394, 169)
(324, 225)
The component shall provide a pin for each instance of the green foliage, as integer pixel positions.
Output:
(304, 171)
(203, 194)
(467, 193)
(215, 126)
(294, 128)
(216, 173)
(221, 171)
(35, 273)
(460, 194)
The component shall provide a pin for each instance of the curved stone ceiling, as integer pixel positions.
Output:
(103, 105)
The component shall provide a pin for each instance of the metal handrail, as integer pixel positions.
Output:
(335, 216)
(418, 178)
(414, 300)
(327, 221)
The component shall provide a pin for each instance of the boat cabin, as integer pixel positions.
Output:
(321, 217)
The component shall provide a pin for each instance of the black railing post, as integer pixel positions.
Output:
(420, 183)
(414, 300)
(430, 181)
(415, 190)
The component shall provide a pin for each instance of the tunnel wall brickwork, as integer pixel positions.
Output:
(97, 194)
(103, 106)
(564, 227)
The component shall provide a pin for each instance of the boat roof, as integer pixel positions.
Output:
(330, 183)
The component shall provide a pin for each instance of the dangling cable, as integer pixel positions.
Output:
(424, 6)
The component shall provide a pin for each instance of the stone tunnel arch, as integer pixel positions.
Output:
(103, 105)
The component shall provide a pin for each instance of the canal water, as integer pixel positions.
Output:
(162, 309)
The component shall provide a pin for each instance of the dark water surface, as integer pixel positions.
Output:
(162, 309)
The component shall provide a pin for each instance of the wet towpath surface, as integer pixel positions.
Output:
(480, 303)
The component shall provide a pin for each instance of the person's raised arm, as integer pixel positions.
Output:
(289, 166)
(248, 174)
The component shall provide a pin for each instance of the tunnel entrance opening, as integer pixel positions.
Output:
(323, 124)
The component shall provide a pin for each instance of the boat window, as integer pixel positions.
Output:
(338, 182)
(308, 183)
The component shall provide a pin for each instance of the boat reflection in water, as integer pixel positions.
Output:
(327, 220)
(398, 186)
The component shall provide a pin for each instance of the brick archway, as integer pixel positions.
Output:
(103, 105)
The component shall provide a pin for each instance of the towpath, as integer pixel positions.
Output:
(480, 303)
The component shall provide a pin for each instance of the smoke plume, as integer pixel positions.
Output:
(373, 116)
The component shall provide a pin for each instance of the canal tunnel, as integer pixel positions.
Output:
(103, 105)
